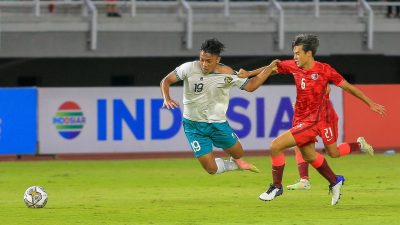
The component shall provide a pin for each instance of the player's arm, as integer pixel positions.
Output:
(244, 73)
(165, 83)
(380, 109)
(257, 81)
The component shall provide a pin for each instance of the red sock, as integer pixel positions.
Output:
(347, 148)
(302, 166)
(323, 168)
(303, 170)
(278, 165)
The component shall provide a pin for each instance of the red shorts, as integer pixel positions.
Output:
(306, 132)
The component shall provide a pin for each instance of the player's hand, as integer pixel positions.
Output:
(170, 104)
(380, 109)
(243, 73)
(274, 65)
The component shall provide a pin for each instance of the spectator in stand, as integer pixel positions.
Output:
(393, 11)
(111, 6)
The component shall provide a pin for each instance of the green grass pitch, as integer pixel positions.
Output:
(178, 191)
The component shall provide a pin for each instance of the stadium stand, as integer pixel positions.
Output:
(82, 28)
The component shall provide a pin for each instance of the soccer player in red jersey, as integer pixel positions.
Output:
(313, 114)
(332, 150)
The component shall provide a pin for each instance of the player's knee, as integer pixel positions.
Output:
(211, 170)
(236, 151)
(308, 159)
(274, 148)
(333, 154)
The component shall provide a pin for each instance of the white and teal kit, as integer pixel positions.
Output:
(205, 102)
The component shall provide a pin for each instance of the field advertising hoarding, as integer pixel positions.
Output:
(131, 119)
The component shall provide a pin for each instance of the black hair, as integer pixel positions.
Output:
(212, 46)
(310, 42)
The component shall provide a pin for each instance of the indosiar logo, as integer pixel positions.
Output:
(69, 120)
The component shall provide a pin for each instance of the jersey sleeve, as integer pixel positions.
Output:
(284, 66)
(239, 82)
(183, 70)
(334, 76)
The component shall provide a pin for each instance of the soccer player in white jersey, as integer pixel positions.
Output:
(206, 85)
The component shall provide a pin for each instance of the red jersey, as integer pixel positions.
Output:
(311, 105)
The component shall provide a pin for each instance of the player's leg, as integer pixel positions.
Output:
(216, 165)
(329, 134)
(302, 167)
(318, 161)
(278, 145)
(236, 152)
(223, 137)
(201, 146)
(202, 150)
(334, 150)
(209, 163)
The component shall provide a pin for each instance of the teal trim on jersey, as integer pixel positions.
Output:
(202, 136)
(177, 77)
(247, 81)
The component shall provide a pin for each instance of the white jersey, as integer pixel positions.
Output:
(206, 96)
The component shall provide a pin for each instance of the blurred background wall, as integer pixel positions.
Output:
(148, 71)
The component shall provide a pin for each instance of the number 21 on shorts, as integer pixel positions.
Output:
(328, 133)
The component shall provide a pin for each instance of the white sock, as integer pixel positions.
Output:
(225, 165)
(231, 164)
(220, 165)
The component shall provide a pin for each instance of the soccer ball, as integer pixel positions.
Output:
(35, 197)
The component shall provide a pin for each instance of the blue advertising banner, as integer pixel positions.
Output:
(131, 119)
(18, 121)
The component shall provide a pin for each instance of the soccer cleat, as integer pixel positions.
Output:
(335, 189)
(365, 147)
(271, 193)
(303, 184)
(243, 165)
